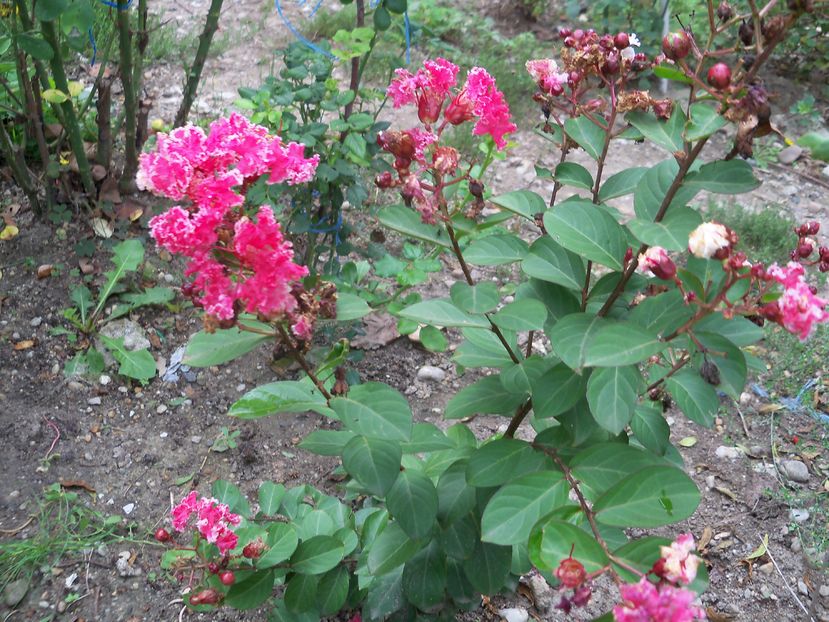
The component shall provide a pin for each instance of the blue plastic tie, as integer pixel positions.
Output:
(116, 5)
(316, 7)
(94, 47)
(297, 34)
(335, 228)
(408, 30)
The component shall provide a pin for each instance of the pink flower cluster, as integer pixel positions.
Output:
(678, 564)
(479, 98)
(547, 76)
(213, 170)
(214, 520)
(799, 310)
(646, 602)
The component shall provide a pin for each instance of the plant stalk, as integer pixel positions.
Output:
(125, 70)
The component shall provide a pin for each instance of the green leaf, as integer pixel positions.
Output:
(667, 134)
(391, 549)
(285, 396)
(270, 497)
(230, 495)
(621, 343)
(442, 312)
(207, 349)
(501, 461)
(670, 72)
(373, 462)
(427, 437)
(671, 232)
(456, 497)
(484, 396)
(612, 393)
(694, 397)
(730, 361)
(36, 46)
(251, 591)
(351, 307)
(376, 410)
(587, 134)
(413, 502)
(704, 121)
(817, 143)
(662, 313)
(424, 577)
(408, 222)
(301, 593)
(549, 261)
(554, 539)
(495, 250)
(557, 391)
(653, 187)
(642, 553)
(622, 183)
(572, 174)
(327, 442)
(650, 428)
(603, 465)
(478, 298)
(54, 96)
(488, 567)
(521, 315)
(738, 330)
(282, 542)
(723, 177)
(138, 364)
(333, 590)
(513, 511)
(587, 230)
(150, 296)
(126, 256)
(82, 298)
(433, 339)
(572, 334)
(317, 555)
(522, 202)
(50, 10)
(385, 595)
(652, 497)
(560, 301)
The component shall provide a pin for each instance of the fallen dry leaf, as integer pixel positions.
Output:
(725, 491)
(102, 228)
(688, 441)
(770, 408)
(717, 616)
(86, 265)
(129, 210)
(705, 538)
(76, 483)
(109, 191)
(9, 232)
(24, 345)
(380, 330)
(44, 271)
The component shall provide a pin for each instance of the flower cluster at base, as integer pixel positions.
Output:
(664, 601)
(430, 88)
(238, 263)
(214, 520)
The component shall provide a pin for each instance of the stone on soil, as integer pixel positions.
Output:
(727, 452)
(796, 471)
(429, 372)
(790, 154)
(14, 592)
(514, 614)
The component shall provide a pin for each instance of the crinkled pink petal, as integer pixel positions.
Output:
(216, 191)
(166, 174)
(442, 75)
(181, 513)
(801, 310)
(402, 89)
(302, 328)
(644, 602)
(289, 164)
(174, 230)
(422, 140)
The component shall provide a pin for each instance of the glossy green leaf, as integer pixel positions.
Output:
(730, 361)
(522, 202)
(481, 348)
(662, 314)
(557, 391)
(375, 410)
(333, 590)
(456, 497)
(612, 393)
(694, 396)
(581, 227)
(521, 315)
(327, 442)
(560, 301)
(572, 174)
(285, 396)
(738, 330)
(385, 596)
(351, 307)
(651, 429)
(251, 591)
(602, 466)
(723, 177)
(501, 461)
(391, 549)
(373, 462)
(667, 134)
(488, 567)
(479, 298)
(36, 46)
(553, 540)
(622, 183)
(484, 396)
(208, 349)
(137, 364)
(587, 134)
(413, 502)
(441, 312)
(621, 343)
(301, 593)
(653, 188)
(549, 261)
(229, 494)
(408, 222)
(427, 437)
(317, 555)
(282, 541)
(50, 10)
(424, 577)
(705, 120)
(572, 335)
(270, 497)
(495, 250)
(652, 497)
(513, 511)
(671, 232)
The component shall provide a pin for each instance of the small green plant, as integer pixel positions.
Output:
(63, 526)
(226, 440)
(768, 232)
(86, 316)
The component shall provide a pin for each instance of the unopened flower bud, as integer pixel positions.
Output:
(719, 76)
(606, 42)
(656, 261)
(578, 34)
(210, 596)
(571, 573)
(758, 271)
(676, 45)
(582, 595)
(254, 549)
(384, 180)
(621, 41)
(213, 568)
(428, 107)
(570, 42)
(709, 238)
(564, 32)
(162, 535)
(564, 604)
(804, 249)
(227, 577)
(663, 108)
(724, 11)
(611, 65)
(746, 33)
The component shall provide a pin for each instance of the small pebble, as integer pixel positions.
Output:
(105, 380)
(796, 545)
(240, 387)
(802, 587)
(796, 471)
(429, 372)
(823, 590)
(128, 510)
(161, 409)
(514, 614)
(195, 440)
(74, 385)
(724, 451)
(745, 398)
(799, 516)
(43, 604)
(36, 321)
(15, 336)
(711, 481)
(767, 568)
(55, 369)
(94, 401)
(163, 435)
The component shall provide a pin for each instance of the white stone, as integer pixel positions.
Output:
(36, 321)
(514, 614)
(796, 471)
(430, 372)
(799, 516)
(94, 401)
(161, 409)
(104, 379)
(128, 508)
(724, 451)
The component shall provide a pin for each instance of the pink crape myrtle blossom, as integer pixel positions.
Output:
(708, 239)
(798, 310)
(678, 563)
(546, 74)
(480, 98)
(214, 520)
(427, 88)
(656, 262)
(645, 602)
(422, 139)
(261, 248)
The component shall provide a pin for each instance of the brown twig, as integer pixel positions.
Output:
(300, 358)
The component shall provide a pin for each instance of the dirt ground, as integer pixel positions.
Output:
(131, 443)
